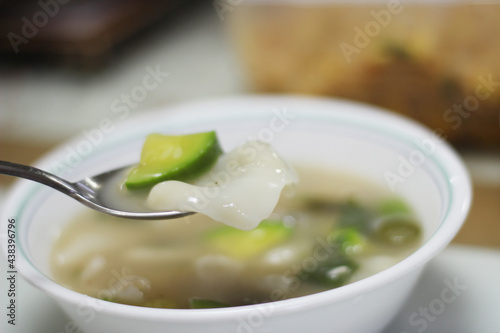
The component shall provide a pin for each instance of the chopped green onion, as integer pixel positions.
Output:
(332, 272)
(349, 240)
(397, 230)
(353, 215)
(393, 206)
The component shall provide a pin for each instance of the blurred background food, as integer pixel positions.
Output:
(79, 33)
(437, 63)
(67, 66)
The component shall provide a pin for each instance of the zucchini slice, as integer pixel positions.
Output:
(174, 157)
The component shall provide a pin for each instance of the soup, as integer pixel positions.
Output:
(329, 230)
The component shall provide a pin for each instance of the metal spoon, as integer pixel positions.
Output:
(88, 191)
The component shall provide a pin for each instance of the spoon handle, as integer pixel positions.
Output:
(85, 191)
(37, 175)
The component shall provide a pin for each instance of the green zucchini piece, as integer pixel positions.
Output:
(393, 206)
(348, 240)
(242, 244)
(174, 157)
(397, 230)
(397, 225)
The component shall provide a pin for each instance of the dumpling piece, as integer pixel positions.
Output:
(241, 190)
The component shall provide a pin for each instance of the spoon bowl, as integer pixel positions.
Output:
(93, 191)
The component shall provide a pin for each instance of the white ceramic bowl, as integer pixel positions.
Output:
(378, 145)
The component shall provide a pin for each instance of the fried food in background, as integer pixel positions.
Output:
(437, 63)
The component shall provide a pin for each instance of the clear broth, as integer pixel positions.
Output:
(167, 263)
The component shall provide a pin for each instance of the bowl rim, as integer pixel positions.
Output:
(448, 160)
